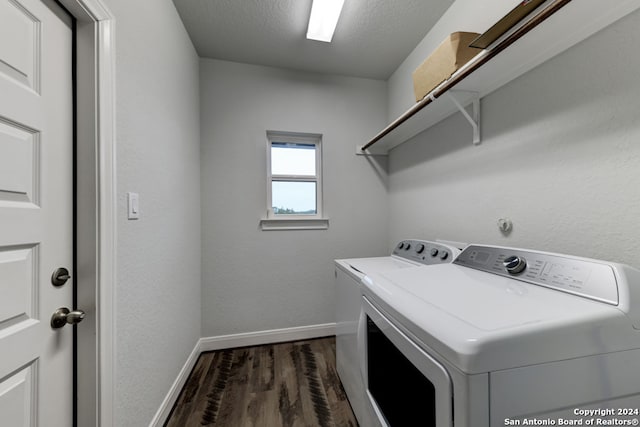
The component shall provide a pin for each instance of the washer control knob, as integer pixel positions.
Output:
(514, 264)
(434, 252)
(401, 245)
(444, 255)
(407, 246)
(420, 248)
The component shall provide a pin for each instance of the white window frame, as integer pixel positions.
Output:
(275, 221)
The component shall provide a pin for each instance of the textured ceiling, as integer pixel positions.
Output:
(371, 40)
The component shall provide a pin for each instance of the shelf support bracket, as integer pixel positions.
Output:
(473, 120)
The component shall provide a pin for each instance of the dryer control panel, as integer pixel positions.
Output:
(425, 252)
(574, 275)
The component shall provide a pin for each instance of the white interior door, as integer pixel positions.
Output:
(36, 212)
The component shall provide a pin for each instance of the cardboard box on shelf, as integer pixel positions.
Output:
(452, 54)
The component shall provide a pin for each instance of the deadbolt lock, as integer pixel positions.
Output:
(62, 316)
(60, 276)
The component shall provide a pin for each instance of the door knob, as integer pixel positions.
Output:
(60, 276)
(62, 316)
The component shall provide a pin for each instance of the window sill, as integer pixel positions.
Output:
(294, 224)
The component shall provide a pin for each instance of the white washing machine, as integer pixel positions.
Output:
(349, 273)
(501, 336)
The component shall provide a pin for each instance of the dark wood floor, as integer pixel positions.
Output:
(291, 384)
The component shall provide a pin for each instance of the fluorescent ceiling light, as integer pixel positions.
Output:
(323, 20)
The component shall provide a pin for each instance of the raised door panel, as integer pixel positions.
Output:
(19, 160)
(18, 285)
(19, 44)
(18, 398)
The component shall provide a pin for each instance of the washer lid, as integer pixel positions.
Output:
(359, 267)
(482, 322)
(407, 253)
(374, 265)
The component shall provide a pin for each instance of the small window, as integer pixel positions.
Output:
(293, 173)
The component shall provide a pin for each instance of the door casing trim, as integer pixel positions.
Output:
(99, 269)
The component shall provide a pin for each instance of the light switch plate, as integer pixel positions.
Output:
(133, 206)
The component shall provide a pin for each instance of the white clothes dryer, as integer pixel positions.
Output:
(349, 273)
(503, 336)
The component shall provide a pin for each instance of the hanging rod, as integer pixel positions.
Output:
(475, 63)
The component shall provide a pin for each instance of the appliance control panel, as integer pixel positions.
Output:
(425, 252)
(578, 276)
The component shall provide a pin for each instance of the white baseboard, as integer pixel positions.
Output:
(167, 404)
(267, 337)
(232, 341)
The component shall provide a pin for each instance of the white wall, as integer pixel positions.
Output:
(559, 156)
(257, 280)
(158, 282)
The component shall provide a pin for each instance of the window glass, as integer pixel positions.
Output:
(293, 159)
(294, 171)
(293, 198)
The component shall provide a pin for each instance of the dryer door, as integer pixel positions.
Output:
(404, 384)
